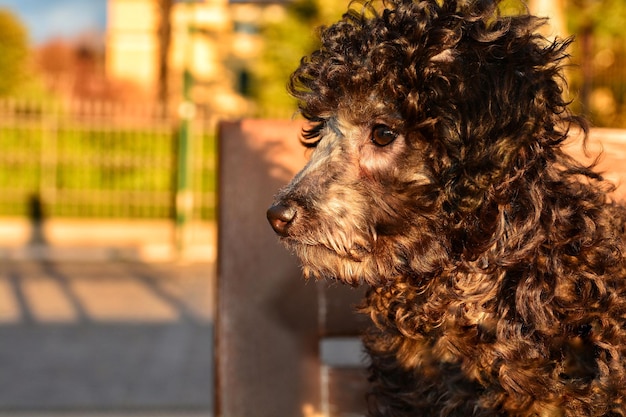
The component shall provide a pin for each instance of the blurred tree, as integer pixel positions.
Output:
(607, 17)
(72, 69)
(165, 37)
(599, 55)
(14, 53)
(284, 43)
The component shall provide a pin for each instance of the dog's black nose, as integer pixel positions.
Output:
(280, 216)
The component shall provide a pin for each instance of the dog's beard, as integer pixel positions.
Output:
(357, 266)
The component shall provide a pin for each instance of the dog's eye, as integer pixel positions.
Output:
(382, 135)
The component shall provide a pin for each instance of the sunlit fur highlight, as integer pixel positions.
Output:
(495, 261)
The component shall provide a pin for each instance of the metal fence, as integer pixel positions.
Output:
(84, 159)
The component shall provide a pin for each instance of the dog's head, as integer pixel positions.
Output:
(422, 113)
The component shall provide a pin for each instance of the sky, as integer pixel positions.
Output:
(46, 19)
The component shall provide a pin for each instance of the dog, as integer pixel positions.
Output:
(437, 177)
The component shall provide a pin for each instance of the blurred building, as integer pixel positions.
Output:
(212, 39)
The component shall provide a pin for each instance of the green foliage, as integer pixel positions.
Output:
(606, 17)
(304, 10)
(285, 42)
(512, 7)
(99, 172)
(597, 79)
(14, 53)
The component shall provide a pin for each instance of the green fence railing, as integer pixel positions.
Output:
(100, 160)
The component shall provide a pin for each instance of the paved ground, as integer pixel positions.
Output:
(104, 240)
(98, 338)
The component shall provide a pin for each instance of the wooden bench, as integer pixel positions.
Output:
(285, 347)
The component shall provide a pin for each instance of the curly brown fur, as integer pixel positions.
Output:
(437, 178)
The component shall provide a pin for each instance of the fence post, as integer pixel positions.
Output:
(48, 154)
(186, 112)
(184, 195)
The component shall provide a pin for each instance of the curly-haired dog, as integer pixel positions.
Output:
(495, 261)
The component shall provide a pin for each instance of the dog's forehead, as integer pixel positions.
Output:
(367, 109)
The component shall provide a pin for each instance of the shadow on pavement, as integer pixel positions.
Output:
(106, 336)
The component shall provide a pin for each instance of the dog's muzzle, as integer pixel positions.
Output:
(280, 217)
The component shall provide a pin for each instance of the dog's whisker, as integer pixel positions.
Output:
(358, 252)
